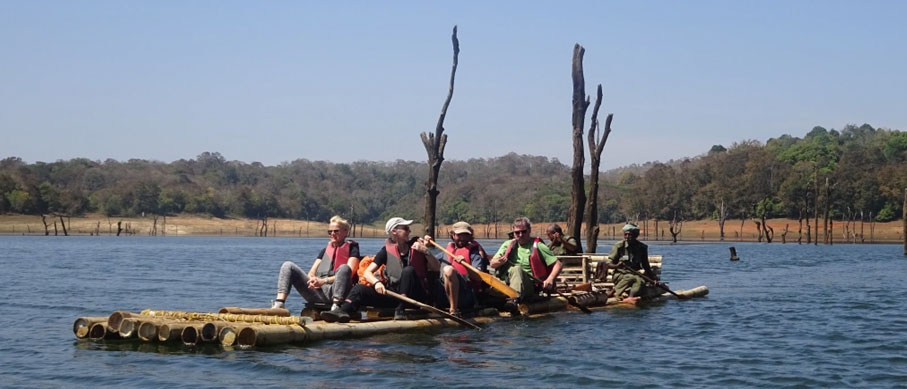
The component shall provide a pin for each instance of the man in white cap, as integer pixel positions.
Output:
(402, 265)
(626, 271)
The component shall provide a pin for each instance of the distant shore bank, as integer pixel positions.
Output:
(193, 225)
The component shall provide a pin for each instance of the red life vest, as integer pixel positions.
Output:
(539, 268)
(394, 268)
(465, 252)
(334, 257)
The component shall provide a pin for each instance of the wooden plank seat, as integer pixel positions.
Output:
(579, 269)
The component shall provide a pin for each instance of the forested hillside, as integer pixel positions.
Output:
(866, 170)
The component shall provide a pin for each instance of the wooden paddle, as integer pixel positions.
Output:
(570, 299)
(487, 278)
(430, 308)
(659, 284)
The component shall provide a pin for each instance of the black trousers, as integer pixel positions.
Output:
(410, 285)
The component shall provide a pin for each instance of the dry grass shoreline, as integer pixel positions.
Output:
(192, 225)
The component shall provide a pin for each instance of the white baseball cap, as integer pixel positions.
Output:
(394, 222)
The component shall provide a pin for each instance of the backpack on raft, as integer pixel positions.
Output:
(363, 265)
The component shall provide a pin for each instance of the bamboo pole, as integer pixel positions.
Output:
(191, 334)
(113, 322)
(99, 331)
(82, 325)
(149, 328)
(210, 330)
(256, 311)
(171, 332)
(129, 327)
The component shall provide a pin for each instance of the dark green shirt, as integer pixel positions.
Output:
(559, 249)
(637, 254)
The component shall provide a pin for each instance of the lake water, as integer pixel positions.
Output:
(785, 315)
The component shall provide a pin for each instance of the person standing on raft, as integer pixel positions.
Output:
(626, 276)
(331, 276)
(519, 259)
(403, 265)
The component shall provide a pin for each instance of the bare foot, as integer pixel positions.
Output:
(630, 300)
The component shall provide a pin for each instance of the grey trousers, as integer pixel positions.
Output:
(291, 274)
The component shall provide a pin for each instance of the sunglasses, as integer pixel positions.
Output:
(519, 232)
(333, 232)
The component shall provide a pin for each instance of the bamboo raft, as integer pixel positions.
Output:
(248, 327)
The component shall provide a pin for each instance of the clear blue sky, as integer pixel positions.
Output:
(359, 80)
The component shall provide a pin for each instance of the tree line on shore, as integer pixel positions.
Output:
(858, 173)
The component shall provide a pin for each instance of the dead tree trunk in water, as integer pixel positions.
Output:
(580, 105)
(816, 204)
(784, 233)
(46, 229)
(119, 227)
(62, 224)
(595, 154)
(722, 217)
(826, 231)
(675, 227)
(767, 230)
(904, 218)
(434, 146)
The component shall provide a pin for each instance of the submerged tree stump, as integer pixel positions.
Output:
(734, 256)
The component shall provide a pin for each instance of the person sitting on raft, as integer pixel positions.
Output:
(519, 259)
(403, 265)
(331, 276)
(460, 287)
(626, 271)
(561, 244)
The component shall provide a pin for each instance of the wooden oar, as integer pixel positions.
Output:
(430, 308)
(487, 278)
(570, 299)
(660, 285)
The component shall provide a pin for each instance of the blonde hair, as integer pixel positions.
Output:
(343, 223)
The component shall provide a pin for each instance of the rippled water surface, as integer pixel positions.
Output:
(785, 315)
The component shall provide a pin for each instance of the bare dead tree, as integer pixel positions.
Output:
(119, 227)
(784, 233)
(758, 228)
(46, 229)
(580, 105)
(816, 203)
(904, 218)
(800, 227)
(596, 146)
(722, 217)
(434, 146)
(154, 225)
(675, 226)
(62, 224)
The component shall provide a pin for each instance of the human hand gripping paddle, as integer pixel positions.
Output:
(429, 308)
(570, 299)
(487, 278)
(659, 284)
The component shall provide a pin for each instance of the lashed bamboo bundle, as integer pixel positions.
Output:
(230, 317)
(271, 334)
